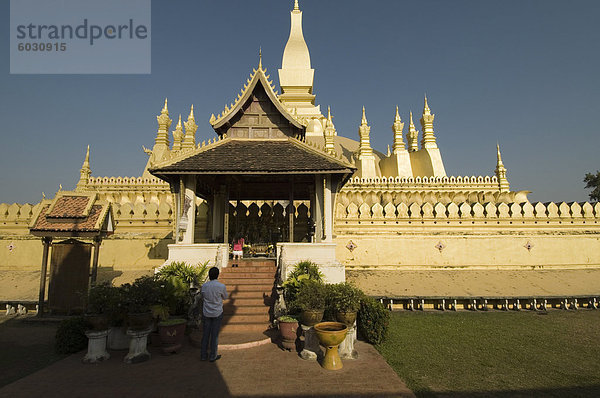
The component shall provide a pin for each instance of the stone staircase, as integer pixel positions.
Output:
(251, 296)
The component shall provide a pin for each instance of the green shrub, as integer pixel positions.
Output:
(142, 294)
(70, 335)
(175, 280)
(373, 320)
(344, 297)
(287, 318)
(312, 295)
(303, 271)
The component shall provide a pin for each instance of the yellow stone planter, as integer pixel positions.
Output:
(331, 335)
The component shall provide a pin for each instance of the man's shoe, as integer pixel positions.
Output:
(215, 359)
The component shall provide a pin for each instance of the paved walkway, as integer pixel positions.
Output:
(264, 371)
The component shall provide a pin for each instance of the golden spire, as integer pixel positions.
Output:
(397, 128)
(426, 110)
(164, 122)
(260, 58)
(412, 136)
(296, 7)
(428, 138)
(363, 122)
(189, 141)
(501, 172)
(328, 134)
(365, 140)
(85, 172)
(178, 135)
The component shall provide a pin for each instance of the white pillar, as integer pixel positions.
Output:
(327, 210)
(189, 204)
(318, 208)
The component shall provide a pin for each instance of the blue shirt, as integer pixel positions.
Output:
(213, 294)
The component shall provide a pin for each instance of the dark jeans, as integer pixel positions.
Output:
(210, 332)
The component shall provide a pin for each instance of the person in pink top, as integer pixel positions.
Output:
(238, 250)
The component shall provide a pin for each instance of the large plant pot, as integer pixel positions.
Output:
(139, 321)
(347, 318)
(331, 335)
(312, 317)
(172, 333)
(97, 321)
(289, 333)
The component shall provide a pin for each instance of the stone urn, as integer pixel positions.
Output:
(288, 328)
(97, 321)
(347, 318)
(139, 320)
(312, 317)
(172, 334)
(331, 335)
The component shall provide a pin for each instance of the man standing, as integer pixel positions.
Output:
(213, 293)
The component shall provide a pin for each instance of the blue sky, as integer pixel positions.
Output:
(523, 73)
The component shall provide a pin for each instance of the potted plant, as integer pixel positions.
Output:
(98, 304)
(288, 329)
(117, 315)
(140, 296)
(311, 301)
(344, 300)
(176, 280)
(303, 271)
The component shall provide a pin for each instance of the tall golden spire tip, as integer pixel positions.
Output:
(296, 6)
(364, 117)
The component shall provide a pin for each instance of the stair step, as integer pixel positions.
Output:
(250, 301)
(249, 294)
(255, 263)
(246, 318)
(245, 310)
(230, 281)
(246, 273)
(233, 288)
(244, 327)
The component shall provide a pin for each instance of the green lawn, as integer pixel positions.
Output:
(496, 353)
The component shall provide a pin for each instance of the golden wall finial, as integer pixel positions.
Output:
(165, 109)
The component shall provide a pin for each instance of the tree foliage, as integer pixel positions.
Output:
(593, 181)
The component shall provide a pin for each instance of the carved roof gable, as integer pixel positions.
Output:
(257, 113)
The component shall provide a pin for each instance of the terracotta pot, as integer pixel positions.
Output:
(312, 317)
(139, 321)
(97, 321)
(347, 318)
(289, 332)
(331, 335)
(172, 333)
